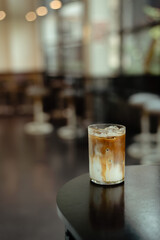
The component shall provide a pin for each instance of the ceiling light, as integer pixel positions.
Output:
(2, 15)
(30, 16)
(56, 4)
(41, 11)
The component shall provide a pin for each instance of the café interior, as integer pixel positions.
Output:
(66, 64)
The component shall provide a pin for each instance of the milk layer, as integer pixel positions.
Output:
(113, 173)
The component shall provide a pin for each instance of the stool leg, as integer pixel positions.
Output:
(145, 137)
(71, 121)
(158, 136)
(38, 111)
(154, 155)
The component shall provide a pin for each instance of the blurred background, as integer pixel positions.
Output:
(64, 65)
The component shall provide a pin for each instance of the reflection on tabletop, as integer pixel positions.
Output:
(106, 203)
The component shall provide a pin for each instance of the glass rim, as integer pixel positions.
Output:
(95, 125)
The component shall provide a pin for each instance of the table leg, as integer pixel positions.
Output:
(68, 235)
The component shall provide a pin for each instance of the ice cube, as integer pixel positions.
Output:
(113, 131)
(112, 128)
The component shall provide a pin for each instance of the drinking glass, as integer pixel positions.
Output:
(106, 153)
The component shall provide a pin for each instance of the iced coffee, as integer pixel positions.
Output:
(106, 153)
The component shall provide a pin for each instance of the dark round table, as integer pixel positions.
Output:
(130, 210)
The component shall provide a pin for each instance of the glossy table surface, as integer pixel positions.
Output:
(127, 211)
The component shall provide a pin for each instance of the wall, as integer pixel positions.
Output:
(20, 49)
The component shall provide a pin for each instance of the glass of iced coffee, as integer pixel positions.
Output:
(106, 153)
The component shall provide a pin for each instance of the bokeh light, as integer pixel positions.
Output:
(41, 11)
(56, 4)
(30, 16)
(2, 15)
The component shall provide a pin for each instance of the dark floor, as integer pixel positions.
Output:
(32, 169)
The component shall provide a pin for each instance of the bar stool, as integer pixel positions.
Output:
(39, 126)
(140, 147)
(72, 130)
(152, 107)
